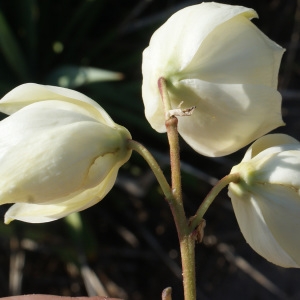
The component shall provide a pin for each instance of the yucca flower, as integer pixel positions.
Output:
(60, 152)
(266, 200)
(213, 57)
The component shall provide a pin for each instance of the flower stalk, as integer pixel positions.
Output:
(144, 152)
(186, 240)
(196, 219)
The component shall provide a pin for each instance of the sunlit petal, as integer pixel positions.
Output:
(57, 154)
(29, 93)
(40, 213)
(214, 58)
(266, 200)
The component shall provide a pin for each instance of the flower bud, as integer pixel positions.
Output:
(266, 200)
(214, 58)
(60, 152)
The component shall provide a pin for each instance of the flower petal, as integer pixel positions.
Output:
(41, 213)
(57, 152)
(269, 141)
(282, 169)
(245, 55)
(168, 54)
(29, 93)
(169, 51)
(227, 116)
(212, 56)
(255, 228)
(280, 207)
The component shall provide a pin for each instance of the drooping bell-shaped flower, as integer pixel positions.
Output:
(266, 200)
(60, 152)
(213, 57)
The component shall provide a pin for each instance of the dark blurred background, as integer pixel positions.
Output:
(126, 246)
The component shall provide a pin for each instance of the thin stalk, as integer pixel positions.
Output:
(196, 219)
(186, 240)
(187, 251)
(144, 152)
(171, 125)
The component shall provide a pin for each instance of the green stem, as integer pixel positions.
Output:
(143, 151)
(187, 250)
(196, 219)
(186, 240)
(177, 210)
(171, 125)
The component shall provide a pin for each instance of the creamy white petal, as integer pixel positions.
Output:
(272, 142)
(227, 116)
(41, 213)
(48, 152)
(189, 26)
(245, 55)
(280, 207)
(255, 228)
(59, 152)
(29, 93)
(282, 168)
(212, 53)
(168, 53)
(38, 117)
(154, 110)
(266, 201)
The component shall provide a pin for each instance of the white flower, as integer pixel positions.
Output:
(214, 58)
(60, 152)
(266, 201)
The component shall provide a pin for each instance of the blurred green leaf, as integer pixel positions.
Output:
(75, 76)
